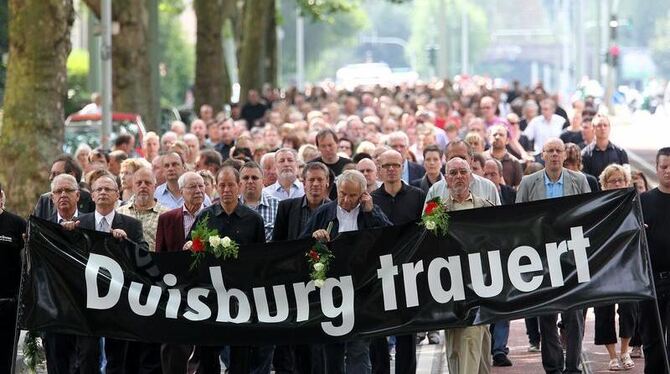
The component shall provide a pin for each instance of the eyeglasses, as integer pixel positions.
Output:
(250, 177)
(391, 166)
(105, 189)
(61, 190)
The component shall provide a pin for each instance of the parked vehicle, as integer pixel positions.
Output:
(87, 128)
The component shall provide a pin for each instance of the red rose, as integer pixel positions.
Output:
(314, 255)
(198, 245)
(430, 207)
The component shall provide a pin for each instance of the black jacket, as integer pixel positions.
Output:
(416, 171)
(328, 213)
(288, 222)
(130, 225)
(45, 207)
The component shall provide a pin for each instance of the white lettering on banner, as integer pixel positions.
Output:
(235, 306)
(518, 273)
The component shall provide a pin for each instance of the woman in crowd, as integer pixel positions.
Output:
(616, 176)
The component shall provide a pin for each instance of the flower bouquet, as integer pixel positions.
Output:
(435, 217)
(206, 240)
(318, 259)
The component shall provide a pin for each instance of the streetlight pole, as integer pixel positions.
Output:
(106, 57)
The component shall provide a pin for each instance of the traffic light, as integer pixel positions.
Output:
(614, 25)
(613, 54)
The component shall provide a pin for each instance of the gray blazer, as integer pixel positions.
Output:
(532, 186)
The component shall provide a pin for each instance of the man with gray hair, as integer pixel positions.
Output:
(287, 185)
(353, 210)
(269, 171)
(369, 170)
(469, 348)
(411, 171)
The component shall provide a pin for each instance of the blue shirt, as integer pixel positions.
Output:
(167, 199)
(278, 192)
(554, 189)
(267, 208)
(405, 172)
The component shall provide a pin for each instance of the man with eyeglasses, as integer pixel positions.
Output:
(171, 232)
(63, 164)
(602, 152)
(106, 219)
(551, 182)
(469, 348)
(401, 203)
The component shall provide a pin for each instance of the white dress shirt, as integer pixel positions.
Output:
(109, 218)
(348, 221)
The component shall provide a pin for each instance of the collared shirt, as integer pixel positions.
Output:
(60, 219)
(539, 130)
(267, 208)
(468, 203)
(307, 212)
(189, 219)
(595, 160)
(278, 192)
(479, 186)
(170, 201)
(109, 218)
(554, 189)
(149, 219)
(405, 206)
(348, 221)
(244, 225)
(405, 172)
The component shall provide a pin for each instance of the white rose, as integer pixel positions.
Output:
(226, 241)
(318, 266)
(430, 225)
(214, 241)
(319, 283)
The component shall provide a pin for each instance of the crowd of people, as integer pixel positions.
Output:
(286, 164)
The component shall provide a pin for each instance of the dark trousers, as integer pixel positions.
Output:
(88, 354)
(352, 357)
(143, 358)
(636, 341)
(653, 343)
(605, 322)
(552, 352)
(310, 359)
(260, 359)
(116, 351)
(283, 359)
(174, 358)
(405, 354)
(7, 321)
(533, 330)
(209, 360)
(379, 355)
(60, 352)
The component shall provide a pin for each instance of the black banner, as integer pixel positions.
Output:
(497, 263)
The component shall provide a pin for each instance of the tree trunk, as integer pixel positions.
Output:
(271, 45)
(36, 88)
(251, 61)
(131, 78)
(210, 69)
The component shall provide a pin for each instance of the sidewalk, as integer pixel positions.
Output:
(595, 358)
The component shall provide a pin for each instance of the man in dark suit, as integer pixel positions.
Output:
(292, 217)
(105, 219)
(353, 210)
(493, 170)
(411, 170)
(173, 228)
(63, 164)
(60, 349)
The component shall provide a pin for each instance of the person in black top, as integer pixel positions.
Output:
(656, 211)
(597, 155)
(253, 109)
(573, 161)
(401, 204)
(291, 220)
(244, 226)
(493, 171)
(12, 228)
(326, 142)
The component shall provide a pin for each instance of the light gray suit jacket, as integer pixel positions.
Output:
(532, 186)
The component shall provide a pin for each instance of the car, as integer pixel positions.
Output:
(87, 129)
